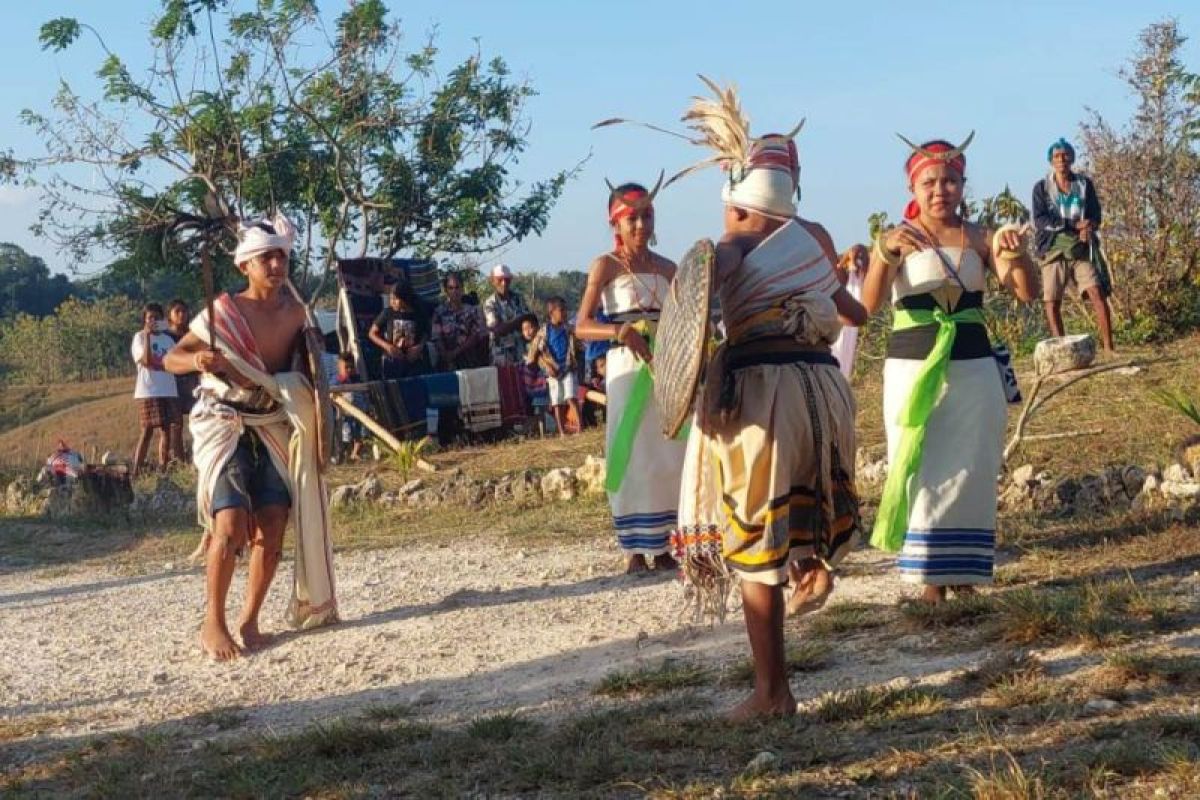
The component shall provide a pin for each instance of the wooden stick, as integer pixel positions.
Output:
(1035, 402)
(382, 433)
(1043, 437)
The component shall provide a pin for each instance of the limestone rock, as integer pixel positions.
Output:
(1187, 490)
(1064, 353)
(1176, 473)
(165, 498)
(343, 496)
(24, 497)
(591, 475)
(761, 763)
(1135, 479)
(527, 487)
(1100, 706)
(422, 498)
(559, 484)
(369, 488)
(1022, 475)
(459, 489)
(411, 486)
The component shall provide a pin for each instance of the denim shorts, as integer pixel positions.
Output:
(249, 480)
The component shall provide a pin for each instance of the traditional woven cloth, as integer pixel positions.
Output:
(479, 395)
(951, 498)
(770, 465)
(512, 396)
(441, 390)
(644, 506)
(289, 434)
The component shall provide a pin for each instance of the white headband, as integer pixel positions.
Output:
(260, 236)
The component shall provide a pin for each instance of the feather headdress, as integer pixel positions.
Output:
(763, 171)
(724, 128)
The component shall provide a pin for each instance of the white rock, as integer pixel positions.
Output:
(1184, 489)
(591, 475)
(1022, 475)
(559, 484)
(411, 486)
(1064, 353)
(1100, 706)
(1151, 484)
(1176, 473)
(369, 488)
(763, 762)
(343, 496)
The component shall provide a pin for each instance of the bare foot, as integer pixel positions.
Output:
(755, 707)
(636, 564)
(665, 561)
(252, 637)
(216, 642)
(814, 586)
(933, 595)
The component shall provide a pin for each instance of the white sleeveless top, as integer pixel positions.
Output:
(626, 295)
(923, 272)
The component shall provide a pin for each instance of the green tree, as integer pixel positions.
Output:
(358, 139)
(26, 285)
(1147, 173)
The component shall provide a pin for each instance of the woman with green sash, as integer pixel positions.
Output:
(627, 286)
(944, 399)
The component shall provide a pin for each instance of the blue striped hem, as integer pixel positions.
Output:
(945, 562)
(940, 537)
(645, 520)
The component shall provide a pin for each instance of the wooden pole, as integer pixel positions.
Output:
(346, 407)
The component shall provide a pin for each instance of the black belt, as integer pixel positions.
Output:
(767, 352)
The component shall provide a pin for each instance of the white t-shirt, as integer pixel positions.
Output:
(152, 381)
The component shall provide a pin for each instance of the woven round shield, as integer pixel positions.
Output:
(314, 346)
(683, 328)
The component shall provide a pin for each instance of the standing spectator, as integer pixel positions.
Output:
(459, 329)
(155, 391)
(178, 316)
(1066, 214)
(351, 429)
(553, 349)
(503, 312)
(401, 331)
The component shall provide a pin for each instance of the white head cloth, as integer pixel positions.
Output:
(766, 182)
(256, 237)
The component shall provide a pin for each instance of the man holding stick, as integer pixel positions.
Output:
(255, 445)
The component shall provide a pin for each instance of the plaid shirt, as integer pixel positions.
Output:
(496, 310)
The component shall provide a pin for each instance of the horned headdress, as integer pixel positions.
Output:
(764, 172)
(933, 154)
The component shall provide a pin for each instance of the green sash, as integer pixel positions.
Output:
(891, 523)
(631, 422)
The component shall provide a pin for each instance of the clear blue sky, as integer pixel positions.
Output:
(1021, 73)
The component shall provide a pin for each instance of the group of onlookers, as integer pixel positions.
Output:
(462, 333)
(163, 399)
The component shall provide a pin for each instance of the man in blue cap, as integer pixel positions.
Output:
(1066, 214)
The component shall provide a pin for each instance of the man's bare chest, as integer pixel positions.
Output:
(275, 333)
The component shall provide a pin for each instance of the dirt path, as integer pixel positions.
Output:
(97, 651)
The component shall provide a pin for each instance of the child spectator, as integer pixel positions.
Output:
(154, 391)
(401, 331)
(591, 393)
(554, 350)
(533, 380)
(351, 429)
(178, 316)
